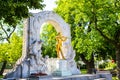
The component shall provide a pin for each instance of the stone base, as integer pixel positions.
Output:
(62, 73)
(61, 68)
(106, 76)
(85, 77)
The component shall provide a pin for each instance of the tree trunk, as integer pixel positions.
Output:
(118, 61)
(3, 67)
(89, 64)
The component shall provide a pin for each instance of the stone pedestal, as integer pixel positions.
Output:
(61, 68)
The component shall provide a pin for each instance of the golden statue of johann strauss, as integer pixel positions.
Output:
(60, 39)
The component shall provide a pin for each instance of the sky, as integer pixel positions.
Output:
(50, 4)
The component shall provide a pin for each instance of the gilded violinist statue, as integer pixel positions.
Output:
(60, 39)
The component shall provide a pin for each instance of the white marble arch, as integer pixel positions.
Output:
(38, 19)
(35, 22)
(31, 55)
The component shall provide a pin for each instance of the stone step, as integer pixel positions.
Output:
(100, 79)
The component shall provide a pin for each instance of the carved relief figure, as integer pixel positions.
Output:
(60, 39)
(35, 49)
(36, 61)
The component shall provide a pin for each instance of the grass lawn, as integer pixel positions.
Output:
(83, 71)
(1, 76)
(114, 78)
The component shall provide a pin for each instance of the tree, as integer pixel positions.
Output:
(48, 34)
(11, 11)
(83, 40)
(6, 32)
(102, 16)
(87, 46)
(10, 52)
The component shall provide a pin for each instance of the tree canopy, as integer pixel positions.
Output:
(48, 34)
(11, 11)
(11, 14)
(83, 38)
(11, 51)
(93, 22)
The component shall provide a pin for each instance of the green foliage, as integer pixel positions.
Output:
(49, 42)
(83, 39)
(11, 11)
(102, 65)
(83, 71)
(85, 18)
(10, 44)
(110, 65)
(85, 42)
(11, 51)
(1, 76)
(115, 78)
